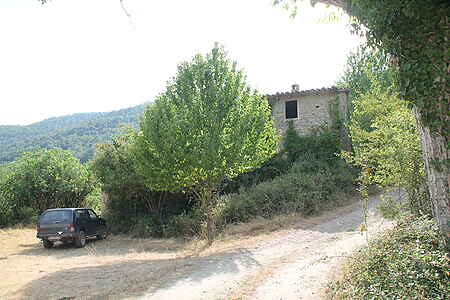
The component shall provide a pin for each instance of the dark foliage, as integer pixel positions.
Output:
(130, 205)
(308, 187)
(272, 168)
(39, 180)
(324, 144)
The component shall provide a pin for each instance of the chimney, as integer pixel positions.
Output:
(295, 88)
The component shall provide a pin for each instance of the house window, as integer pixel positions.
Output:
(291, 109)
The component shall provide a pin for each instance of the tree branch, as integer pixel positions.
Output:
(125, 10)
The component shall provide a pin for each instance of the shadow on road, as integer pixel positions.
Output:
(110, 246)
(135, 277)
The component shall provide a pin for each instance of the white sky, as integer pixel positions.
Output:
(83, 56)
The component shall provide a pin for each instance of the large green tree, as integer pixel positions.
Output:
(416, 33)
(385, 139)
(386, 146)
(206, 126)
(45, 178)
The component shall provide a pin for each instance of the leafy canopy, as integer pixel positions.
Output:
(127, 195)
(416, 33)
(386, 143)
(365, 67)
(206, 126)
(45, 178)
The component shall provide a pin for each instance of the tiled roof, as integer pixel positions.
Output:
(322, 91)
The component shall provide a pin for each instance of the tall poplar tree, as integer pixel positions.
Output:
(207, 125)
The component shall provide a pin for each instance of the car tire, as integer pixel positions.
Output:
(103, 235)
(47, 244)
(80, 240)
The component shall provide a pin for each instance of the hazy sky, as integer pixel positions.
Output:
(82, 56)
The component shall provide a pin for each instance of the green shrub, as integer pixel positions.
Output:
(185, 224)
(6, 212)
(308, 187)
(408, 262)
(39, 180)
(94, 200)
(322, 144)
(146, 226)
(275, 166)
(392, 208)
(307, 184)
(130, 206)
(26, 215)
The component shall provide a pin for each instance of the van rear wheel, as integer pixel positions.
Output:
(80, 240)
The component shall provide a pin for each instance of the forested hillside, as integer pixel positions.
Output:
(78, 133)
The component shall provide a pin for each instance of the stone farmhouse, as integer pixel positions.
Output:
(310, 109)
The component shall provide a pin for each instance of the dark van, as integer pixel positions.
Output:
(70, 225)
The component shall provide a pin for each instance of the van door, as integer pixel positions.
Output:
(94, 221)
(84, 221)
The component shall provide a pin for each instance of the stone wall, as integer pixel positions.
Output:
(314, 109)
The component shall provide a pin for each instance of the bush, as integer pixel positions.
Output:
(309, 183)
(387, 147)
(185, 224)
(6, 212)
(323, 144)
(308, 187)
(146, 226)
(39, 180)
(26, 215)
(94, 200)
(408, 262)
(275, 166)
(130, 206)
(391, 207)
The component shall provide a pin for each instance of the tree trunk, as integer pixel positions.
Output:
(208, 201)
(436, 157)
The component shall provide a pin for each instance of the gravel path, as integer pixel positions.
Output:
(296, 265)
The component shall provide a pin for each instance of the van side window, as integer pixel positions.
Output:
(81, 214)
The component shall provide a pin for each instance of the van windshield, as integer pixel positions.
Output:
(57, 215)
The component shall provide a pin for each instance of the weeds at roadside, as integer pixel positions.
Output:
(408, 262)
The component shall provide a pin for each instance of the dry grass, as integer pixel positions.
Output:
(28, 269)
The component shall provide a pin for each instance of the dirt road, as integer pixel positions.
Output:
(295, 265)
(288, 264)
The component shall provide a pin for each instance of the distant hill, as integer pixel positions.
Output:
(78, 132)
